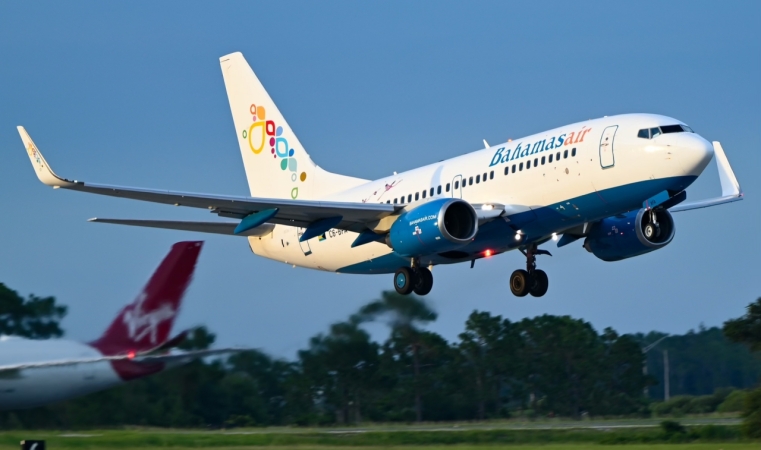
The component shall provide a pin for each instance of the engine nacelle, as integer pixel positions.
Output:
(620, 237)
(437, 226)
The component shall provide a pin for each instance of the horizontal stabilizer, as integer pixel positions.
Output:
(730, 187)
(199, 227)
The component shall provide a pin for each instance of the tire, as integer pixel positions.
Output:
(520, 283)
(650, 231)
(404, 280)
(541, 283)
(423, 281)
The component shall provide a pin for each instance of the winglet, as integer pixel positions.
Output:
(729, 184)
(730, 187)
(41, 167)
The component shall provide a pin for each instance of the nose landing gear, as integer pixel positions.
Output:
(415, 279)
(532, 280)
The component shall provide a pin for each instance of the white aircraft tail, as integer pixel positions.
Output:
(277, 165)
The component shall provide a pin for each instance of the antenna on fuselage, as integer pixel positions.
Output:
(486, 144)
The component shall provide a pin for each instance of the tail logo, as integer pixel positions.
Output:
(141, 324)
(263, 131)
(34, 154)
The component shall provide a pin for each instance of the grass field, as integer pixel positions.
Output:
(693, 446)
(697, 437)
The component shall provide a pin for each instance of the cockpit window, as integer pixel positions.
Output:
(649, 133)
(675, 129)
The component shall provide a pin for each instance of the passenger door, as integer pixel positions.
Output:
(607, 158)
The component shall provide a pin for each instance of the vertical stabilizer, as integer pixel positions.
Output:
(277, 166)
(146, 323)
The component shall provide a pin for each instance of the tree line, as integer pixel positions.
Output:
(497, 368)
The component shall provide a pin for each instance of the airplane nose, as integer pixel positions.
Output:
(695, 153)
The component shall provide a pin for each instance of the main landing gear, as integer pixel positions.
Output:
(652, 229)
(413, 279)
(532, 280)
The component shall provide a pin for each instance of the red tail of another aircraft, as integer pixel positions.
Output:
(146, 323)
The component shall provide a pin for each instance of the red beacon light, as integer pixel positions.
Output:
(487, 253)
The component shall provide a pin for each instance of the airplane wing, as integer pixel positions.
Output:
(139, 358)
(201, 227)
(730, 187)
(302, 213)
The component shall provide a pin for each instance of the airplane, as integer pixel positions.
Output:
(136, 344)
(613, 181)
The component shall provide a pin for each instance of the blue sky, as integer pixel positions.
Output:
(132, 94)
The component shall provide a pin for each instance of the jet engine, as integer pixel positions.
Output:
(632, 234)
(437, 226)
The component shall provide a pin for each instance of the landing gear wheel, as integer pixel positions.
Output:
(540, 284)
(423, 281)
(651, 231)
(404, 280)
(520, 283)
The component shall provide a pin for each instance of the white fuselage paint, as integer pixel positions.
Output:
(34, 387)
(635, 160)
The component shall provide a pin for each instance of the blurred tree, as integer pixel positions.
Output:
(404, 314)
(198, 338)
(33, 317)
(746, 329)
(342, 365)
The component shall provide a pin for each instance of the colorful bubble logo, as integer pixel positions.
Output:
(263, 132)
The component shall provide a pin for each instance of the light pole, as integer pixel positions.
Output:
(665, 359)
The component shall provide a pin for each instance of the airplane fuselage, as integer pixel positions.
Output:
(553, 181)
(30, 388)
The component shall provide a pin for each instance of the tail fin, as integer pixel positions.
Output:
(277, 165)
(146, 323)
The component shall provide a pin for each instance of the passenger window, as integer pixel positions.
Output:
(528, 164)
(484, 176)
(438, 190)
(565, 154)
(447, 187)
(536, 162)
(456, 184)
(470, 181)
(491, 175)
(395, 201)
(417, 195)
(557, 157)
(388, 201)
(409, 198)
(550, 157)
(654, 132)
(507, 170)
(520, 167)
(542, 160)
(424, 192)
(513, 168)
(644, 133)
(573, 152)
(478, 179)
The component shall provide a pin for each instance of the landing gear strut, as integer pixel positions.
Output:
(416, 279)
(532, 280)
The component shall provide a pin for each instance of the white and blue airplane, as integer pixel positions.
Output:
(613, 181)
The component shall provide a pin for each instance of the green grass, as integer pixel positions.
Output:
(696, 437)
(703, 446)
